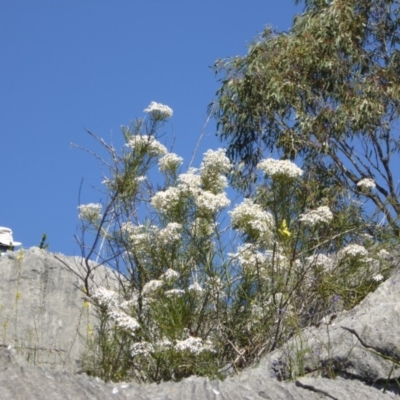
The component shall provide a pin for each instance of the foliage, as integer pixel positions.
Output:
(43, 242)
(203, 290)
(326, 94)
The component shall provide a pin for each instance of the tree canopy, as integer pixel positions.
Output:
(326, 93)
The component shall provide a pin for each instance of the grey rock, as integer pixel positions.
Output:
(44, 321)
(42, 309)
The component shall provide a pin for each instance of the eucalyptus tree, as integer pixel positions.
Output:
(326, 94)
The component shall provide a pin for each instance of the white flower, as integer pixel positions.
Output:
(141, 348)
(383, 254)
(217, 161)
(123, 320)
(353, 250)
(174, 292)
(166, 200)
(146, 143)
(378, 277)
(212, 203)
(170, 162)
(105, 297)
(90, 212)
(250, 218)
(158, 110)
(170, 234)
(319, 260)
(152, 286)
(367, 183)
(195, 287)
(273, 167)
(194, 345)
(170, 275)
(164, 343)
(319, 215)
(249, 257)
(190, 182)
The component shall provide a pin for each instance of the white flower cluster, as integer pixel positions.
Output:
(383, 254)
(274, 167)
(174, 293)
(319, 260)
(146, 143)
(170, 162)
(141, 349)
(110, 299)
(195, 287)
(105, 297)
(249, 257)
(165, 200)
(212, 203)
(378, 278)
(367, 183)
(152, 286)
(216, 161)
(170, 275)
(190, 182)
(215, 287)
(250, 218)
(319, 215)
(123, 320)
(170, 234)
(158, 110)
(194, 345)
(90, 212)
(353, 250)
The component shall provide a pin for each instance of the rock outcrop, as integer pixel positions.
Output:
(352, 355)
(43, 312)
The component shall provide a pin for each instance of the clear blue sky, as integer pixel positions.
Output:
(96, 64)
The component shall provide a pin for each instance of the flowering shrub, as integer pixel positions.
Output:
(200, 295)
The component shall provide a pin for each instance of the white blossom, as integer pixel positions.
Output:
(319, 260)
(174, 292)
(250, 218)
(190, 182)
(166, 200)
(152, 286)
(216, 161)
(249, 257)
(367, 183)
(146, 143)
(274, 167)
(195, 287)
(320, 215)
(378, 277)
(123, 320)
(383, 254)
(194, 345)
(105, 297)
(164, 343)
(212, 203)
(170, 234)
(90, 212)
(170, 275)
(170, 162)
(141, 349)
(158, 110)
(353, 250)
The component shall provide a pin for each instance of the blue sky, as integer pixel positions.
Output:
(96, 64)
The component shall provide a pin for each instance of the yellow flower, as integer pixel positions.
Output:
(20, 255)
(283, 230)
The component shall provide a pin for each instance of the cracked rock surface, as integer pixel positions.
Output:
(42, 305)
